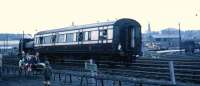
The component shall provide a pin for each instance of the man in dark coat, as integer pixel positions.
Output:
(47, 74)
(36, 59)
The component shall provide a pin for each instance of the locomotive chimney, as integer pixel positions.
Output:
(73, 24)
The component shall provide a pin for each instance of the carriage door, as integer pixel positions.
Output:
(130, 38)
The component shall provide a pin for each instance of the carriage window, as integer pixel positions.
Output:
(110, 33)
(57, 38)
(53, 39)
(94, 35)
(47, 39)
(85, 37)
(36, 40)
(80, 36)
(103, 34)
(69, 37)
(89, 35)
(60, 38)
(40, 40)
(74, 37)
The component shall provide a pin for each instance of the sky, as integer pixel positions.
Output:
(32, 16)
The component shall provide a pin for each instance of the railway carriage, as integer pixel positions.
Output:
(113, 40)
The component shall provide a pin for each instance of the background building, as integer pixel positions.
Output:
(168, 38)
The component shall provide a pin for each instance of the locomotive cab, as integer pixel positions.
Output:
(26, 45)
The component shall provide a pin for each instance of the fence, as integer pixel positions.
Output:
(84, 77)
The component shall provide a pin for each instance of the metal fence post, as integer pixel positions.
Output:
(172, 74)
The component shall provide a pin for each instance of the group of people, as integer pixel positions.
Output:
(27, 60)
(31, 61)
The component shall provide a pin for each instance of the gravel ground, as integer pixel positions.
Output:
(20, 82)
(32, 82)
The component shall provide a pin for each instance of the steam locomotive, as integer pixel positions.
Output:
(118, 40)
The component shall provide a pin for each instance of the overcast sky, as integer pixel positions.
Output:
(36, 15)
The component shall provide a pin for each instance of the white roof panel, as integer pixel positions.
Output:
(77, 27)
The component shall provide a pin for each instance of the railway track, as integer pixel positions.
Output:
(187, 71)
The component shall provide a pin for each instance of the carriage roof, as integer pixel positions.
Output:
(76, 27)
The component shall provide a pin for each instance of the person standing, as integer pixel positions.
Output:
(28, 61)
(22, 59)
(23, 55)
(36, 59)
(47, 74)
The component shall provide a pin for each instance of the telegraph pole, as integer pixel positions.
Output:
(7, 43)
(22, 42)
(149, 34)
(179, 27)
(4, 45)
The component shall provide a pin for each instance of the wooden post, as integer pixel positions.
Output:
(59, 77)
(65, 80)
(172, 75)
(96, 82)
(1, 63)
(54, 76)
(7, 70)
(70, 78)
(29, 74)
(87, 81)
(1, 57)
(113, 83)
(120, 83)
(81, 83)
(1, 60)
(102, 84)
